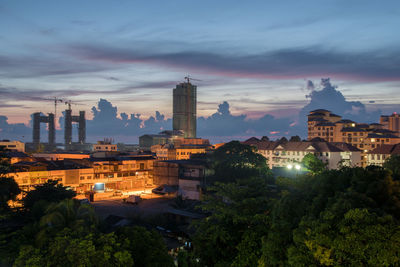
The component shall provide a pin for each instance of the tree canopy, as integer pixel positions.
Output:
(393, 164)
(51, 191)
(235, 160)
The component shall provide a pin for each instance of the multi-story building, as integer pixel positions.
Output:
(165, 137)
(391, 122)
(181, 149)
(105, 145)
(332, 128)
(120, 172)
(188, 175)
(184, 109)
(379, 155)
(280, 154)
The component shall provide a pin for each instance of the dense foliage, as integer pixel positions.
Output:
(345, 217)
(236, 161)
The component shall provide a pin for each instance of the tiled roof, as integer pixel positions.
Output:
(316, 114)
(386, 149)
(251, 141)
(319, 110)
(317, 119)
(352, 129)
(325, 124)
(374, 135)
(345, 121)
(345, 146)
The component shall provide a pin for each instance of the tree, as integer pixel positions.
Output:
(9, 189)
(236, 161)
(76, 248)
(393, 164)
(146, 247)
(50, 191)
(313, 164)
(264, 138)
(295, 138)
(330, 218)
(283, 140)
(232, 234)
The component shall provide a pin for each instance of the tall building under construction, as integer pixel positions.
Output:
(184, 109)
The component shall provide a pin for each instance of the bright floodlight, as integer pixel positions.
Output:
(297, 167)
(290, 166)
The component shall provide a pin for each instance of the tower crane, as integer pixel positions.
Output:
(188, 78)
(69, 103)
(56, 101)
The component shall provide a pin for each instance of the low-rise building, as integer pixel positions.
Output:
(280, 154)
(189, 175)
(105, 145)
(177, 152)
(117, 173)
(13, 145)
(379, 155)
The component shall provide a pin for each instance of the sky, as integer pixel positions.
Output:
(259, 57)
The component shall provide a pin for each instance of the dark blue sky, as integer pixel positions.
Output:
(256, 55)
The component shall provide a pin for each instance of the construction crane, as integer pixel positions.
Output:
(56, 101)
(188, 78)
(69, 103)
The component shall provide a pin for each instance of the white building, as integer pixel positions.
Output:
(284, 154)
(380, 154)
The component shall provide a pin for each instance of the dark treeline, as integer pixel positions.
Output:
(345, 217)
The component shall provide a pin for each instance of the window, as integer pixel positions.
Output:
(142, 166)
(119, 174)
(82, 178)
(110, 175)
(89, 177)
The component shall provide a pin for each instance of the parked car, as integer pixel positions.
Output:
(117, 193)
(133, 199)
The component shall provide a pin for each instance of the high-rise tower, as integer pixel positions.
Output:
(184, 109)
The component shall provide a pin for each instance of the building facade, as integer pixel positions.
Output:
(284, 154)
(13, 145)
(184, 109)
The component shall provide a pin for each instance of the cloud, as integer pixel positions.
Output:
(222, 125)
(332, 99)
(280, 64)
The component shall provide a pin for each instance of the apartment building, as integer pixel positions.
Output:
(177, 152)
(335, 154)
(115, 173)
(379, 155)
(322, 124)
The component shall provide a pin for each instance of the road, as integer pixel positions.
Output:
(147, 207)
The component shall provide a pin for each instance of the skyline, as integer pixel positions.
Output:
(259, 58)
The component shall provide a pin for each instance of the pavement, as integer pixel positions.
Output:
(116, 206)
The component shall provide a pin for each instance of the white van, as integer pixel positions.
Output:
(133, 199)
